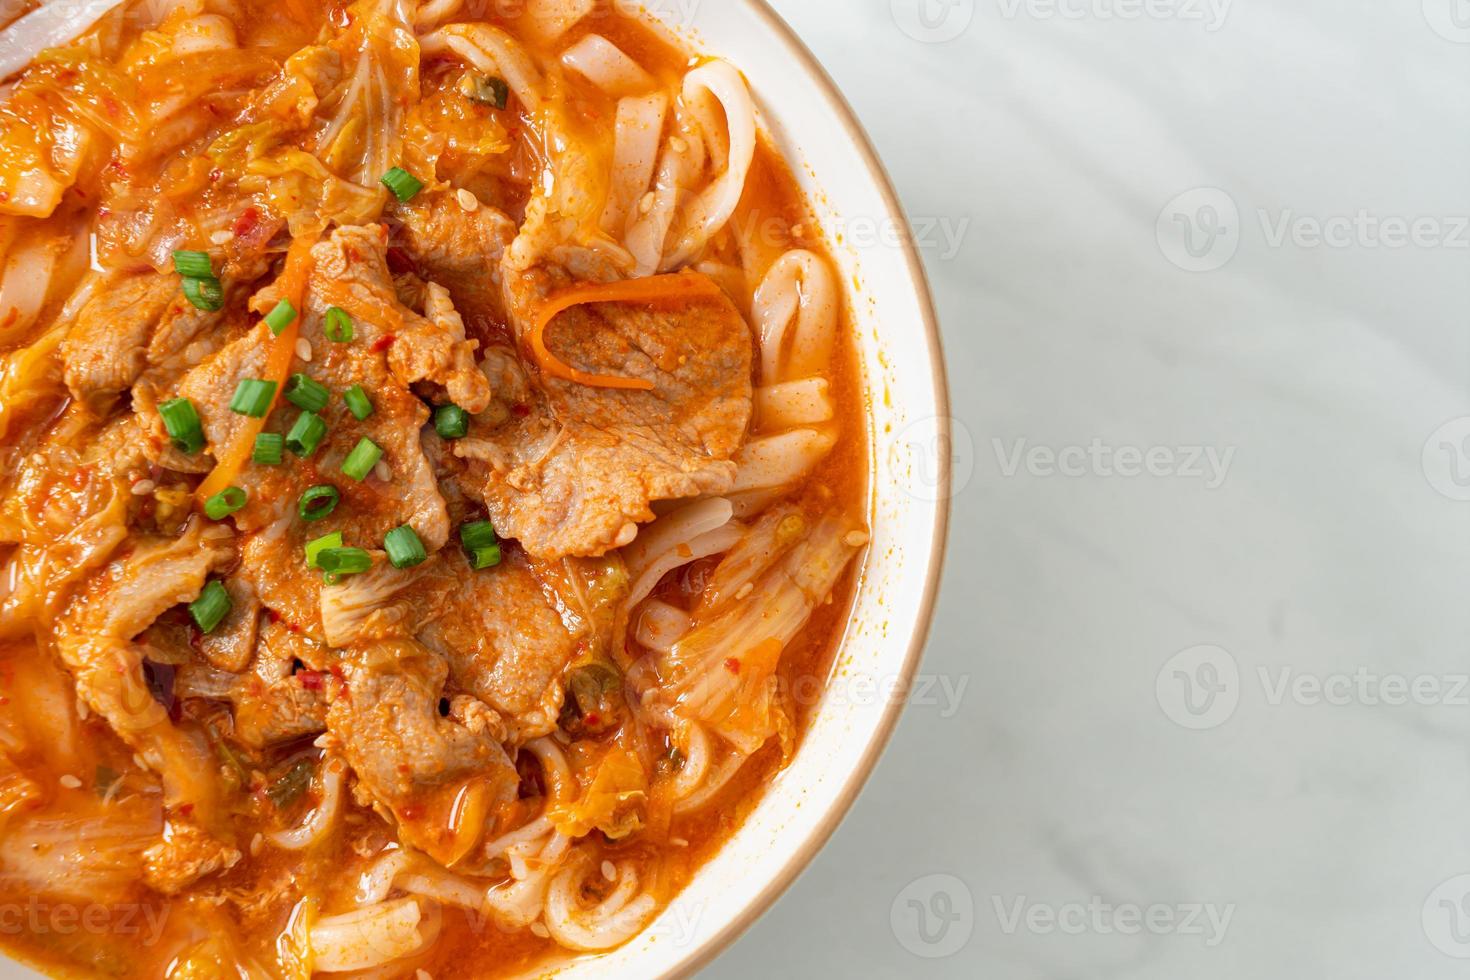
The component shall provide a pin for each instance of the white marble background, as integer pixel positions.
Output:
(1301, 605)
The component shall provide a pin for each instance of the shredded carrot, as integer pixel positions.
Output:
(675, 288)
(291, 286)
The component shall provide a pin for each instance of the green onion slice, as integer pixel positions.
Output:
(404, 548)
(307, 393)
(318, 502)
(403, 184)
(315, 548)
(358, 402)
(306, 434)
(485, 557)
(451, 422)
(205, 294)
(477, 535)
(226, 502)
(193, 265)
(360, 462)
(253, 397)
(269, 449)
(489, 90)
(280, 318)
(183, 425)
(337, 325)
(212, 606)
(337, 562)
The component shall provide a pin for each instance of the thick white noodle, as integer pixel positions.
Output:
(713, 782)
(434, 13)
(611, 922)
(714, 542)
(678, 166)
(786, 404)
(491, 50)
(550, 19)
(605, 65)
(673, 529)
(798, 290)
(319, 822)
(638, 131)
(368, 937)
(780, 460)
(555, 769)
(711, 210)
(660, 626)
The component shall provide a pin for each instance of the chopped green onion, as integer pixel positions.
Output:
(253, 398)
(404, 548)
(337, 562)
(280, 318)
(451, 422)
(318, 502)
(477, 535)
(183, 425)
(206, 294)
(485, 557)
(358, 402)
(193, 265)
(225, 503)
(337, 325)
(489, 90)
(292, 784)
(360, 462)
(307, 393)
(403, 184)
(269, 449)
(315, 548)
(306, 434)
(212, 606)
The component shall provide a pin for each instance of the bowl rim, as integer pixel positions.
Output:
(704, 953)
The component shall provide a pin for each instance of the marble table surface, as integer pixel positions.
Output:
(1199, 703)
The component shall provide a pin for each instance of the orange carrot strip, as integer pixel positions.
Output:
(677, 287)
(292, 288)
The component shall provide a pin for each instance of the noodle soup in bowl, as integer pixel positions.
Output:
(856, 706)
(484, 533)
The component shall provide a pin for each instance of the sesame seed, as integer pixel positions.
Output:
(143, 488)
(745, 590)
(383, 471)
(679, 145)
(71, 782)
(303, 349)
(222, 236)
(538, 929)
(678, 842)
(467, 200)
(257, 844)
(856, 539)
(798, 231)
(646, 204)
(609, 871)
(423, 975)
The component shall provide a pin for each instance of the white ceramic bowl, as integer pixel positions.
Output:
(909, 489)
(908, 428)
